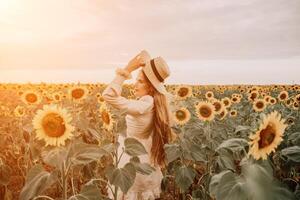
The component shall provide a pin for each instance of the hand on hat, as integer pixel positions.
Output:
(138, 61)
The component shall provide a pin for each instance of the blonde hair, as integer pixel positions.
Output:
(162, 122)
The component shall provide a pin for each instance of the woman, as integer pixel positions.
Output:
(148, 119)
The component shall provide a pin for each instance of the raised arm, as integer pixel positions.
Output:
(112, 95)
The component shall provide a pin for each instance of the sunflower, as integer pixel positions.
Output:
(53, 125)
(219, 106)
(182, 116)
(272, 101)
(205, 110)
(235, 99)
(259, 105)
(233, 113)
(183, 92)
(297, 98)
(267, 99)
(19, 111)
(268, 137)
(295, 105)
(209, 95)
(283, 95)
(106, 116)
(253, 95)
(31, 97)
(57, 96)
(223, 114)
(226, 101)
(78, 93)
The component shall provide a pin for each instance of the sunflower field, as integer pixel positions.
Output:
(235, 142)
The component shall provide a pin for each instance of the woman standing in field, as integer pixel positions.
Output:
(148, 119)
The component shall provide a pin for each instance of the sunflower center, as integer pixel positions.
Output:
(260, 104)
(77, 93)
(53, 125)
(253, 96)
(183, 92)
(217, 106)
(180, 115)
(31, 98)
(105, 117)
(226, 102)
(267, 136)
(205, 111)
(283, 96)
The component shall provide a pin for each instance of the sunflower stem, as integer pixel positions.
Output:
(64, 182)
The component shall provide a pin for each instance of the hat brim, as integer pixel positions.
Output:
(159, 86)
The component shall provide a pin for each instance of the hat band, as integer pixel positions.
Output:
(155, 71)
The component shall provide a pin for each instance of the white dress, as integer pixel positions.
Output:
(139, 121)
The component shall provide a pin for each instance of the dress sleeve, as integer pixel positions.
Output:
(112, 95)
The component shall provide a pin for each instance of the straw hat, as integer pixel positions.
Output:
(157, 71)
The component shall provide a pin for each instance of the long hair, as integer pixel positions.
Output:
(162, 122)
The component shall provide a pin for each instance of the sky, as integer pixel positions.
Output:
(203, 41)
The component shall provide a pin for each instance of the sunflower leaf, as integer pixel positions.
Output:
(37, 181)
(184, 177)
(124, 177)
(293, 153)
(133, 147)
(90, 192)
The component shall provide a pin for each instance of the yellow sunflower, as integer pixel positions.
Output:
(219, 106)
(268, 137)
(205, 110)
(31, 97)
(182, 116)
(52, 124)
(259, 105)
(226, 101)
(235, 99)
(106, 116)
(283, 95)
(233, 113)
(253, 95)
(78, 93)
(183, 92)
(19, 111)
(273, 101)
(57, 96)
(295, 105)
(297, 98)
(223, 114)
(209, 95)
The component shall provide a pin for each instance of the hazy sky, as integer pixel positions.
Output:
(199, 35)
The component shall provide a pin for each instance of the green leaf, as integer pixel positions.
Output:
(233, 144)
(142, 168)
(37, 181)
(124, 177)
(82, 153)
(88, 192)
(231, 187)
(55, 156)
(172, 152)
(133, 147)
(241, 128)
(295, 138)
(293, 153)
(214, 182)
(184, 177)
